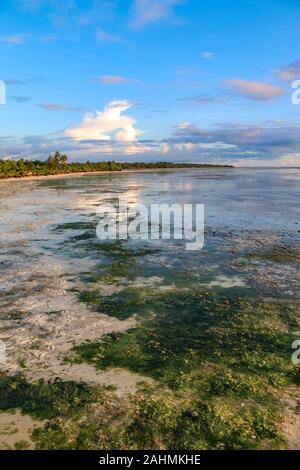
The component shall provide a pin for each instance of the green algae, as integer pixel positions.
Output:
(78, 416)
(165, 421)
(219, 358)
(121, 305)
(73, 413)
(192, 328)
(75, 225)
(277, 254)
(118, 259)
(218, 362)
(42, 399)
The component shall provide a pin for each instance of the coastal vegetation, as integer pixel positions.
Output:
(57, 164)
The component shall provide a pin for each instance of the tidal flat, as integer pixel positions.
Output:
(144, 345)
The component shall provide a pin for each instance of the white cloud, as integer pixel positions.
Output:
(114, 80)
(145, 12)
(106, 37)
(109, 124)
(217, 145)
(290, 72)
(288, 160)
(190, 146)
(165, 149)
(59, 107)
(14, 39)
(184, 125)
(257, 91)
(208, 55)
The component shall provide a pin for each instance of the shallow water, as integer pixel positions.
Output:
(49, 253)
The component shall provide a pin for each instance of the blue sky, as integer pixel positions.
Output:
(177, 80)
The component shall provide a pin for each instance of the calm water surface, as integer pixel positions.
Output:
(49, 251)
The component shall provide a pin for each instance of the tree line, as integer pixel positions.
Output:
(57, 163)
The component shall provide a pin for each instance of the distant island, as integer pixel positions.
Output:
(57, 164)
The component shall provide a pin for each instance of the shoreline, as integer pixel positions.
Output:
(142, 170)
(106, 172)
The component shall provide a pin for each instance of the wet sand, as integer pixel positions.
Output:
(42, 319)
(41, 272)
(16, 430)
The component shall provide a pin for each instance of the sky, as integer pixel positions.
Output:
(151, 80)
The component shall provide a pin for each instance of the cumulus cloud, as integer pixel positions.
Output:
(110, 124)
(114, 80)
(234, 144)
(290, 159)
(112, 134)
(267, 143)
(187, 147)
(290, 71)
(257, 91)
(59, 107)
(39, 147)
(246, 136)
(145, 12)
(14, 39)
(286, 161)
